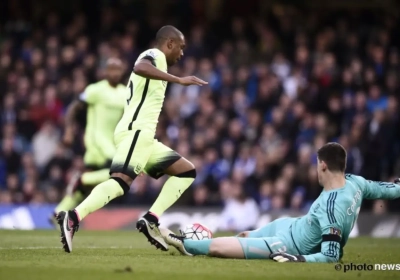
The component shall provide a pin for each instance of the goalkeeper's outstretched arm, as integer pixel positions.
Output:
(330, 251)
(378, 190)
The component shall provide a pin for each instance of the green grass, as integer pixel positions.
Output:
(31, 255)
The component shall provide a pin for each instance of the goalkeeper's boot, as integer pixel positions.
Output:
(69, 224)
(152, 232)
(176, 241)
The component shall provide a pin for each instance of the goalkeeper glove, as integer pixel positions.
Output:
(284, 257)
(397, 181)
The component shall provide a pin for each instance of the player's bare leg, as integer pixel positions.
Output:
(182, 174)
(180, 166)
(226, 247)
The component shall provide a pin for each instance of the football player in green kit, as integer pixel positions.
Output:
(137, 151)
(319, 236)
(105, 103)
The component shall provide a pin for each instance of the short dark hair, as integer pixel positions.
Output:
(167, 32)
(334, 155)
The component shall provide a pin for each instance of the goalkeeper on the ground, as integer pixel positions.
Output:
(319, 236)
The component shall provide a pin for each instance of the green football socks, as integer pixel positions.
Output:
(69, 202)
(93, 178)
(170, 193)
(100, 196)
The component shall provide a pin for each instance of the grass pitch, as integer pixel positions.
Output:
(31, 255)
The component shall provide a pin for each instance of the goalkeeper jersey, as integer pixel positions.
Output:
(321, 234)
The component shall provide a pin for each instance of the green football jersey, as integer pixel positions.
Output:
(105, 108)
(145, 97)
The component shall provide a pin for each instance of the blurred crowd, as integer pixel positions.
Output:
(278, 90)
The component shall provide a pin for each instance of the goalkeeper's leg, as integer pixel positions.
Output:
(224, 247)
(240, 248)
(227, 247)
(271, 229)
(245, 248)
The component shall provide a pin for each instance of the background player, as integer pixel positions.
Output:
(137, 150)
(319, 236)
(105, 103)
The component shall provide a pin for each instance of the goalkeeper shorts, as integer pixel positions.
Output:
(261, 248)
(273, 228)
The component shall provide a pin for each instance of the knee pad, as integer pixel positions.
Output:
(187, 174)
(122, 183)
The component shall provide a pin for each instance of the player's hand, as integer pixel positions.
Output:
(397, 181)
(191, 80)
(284, 257)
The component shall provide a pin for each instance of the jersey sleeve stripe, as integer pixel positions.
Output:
(330, 206)
(336, 248)
(135, 115)
(333, 207)
(327, 207)
(332, 250)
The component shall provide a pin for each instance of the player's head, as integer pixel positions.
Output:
(332, 158)
(171, 42)
(114, 71)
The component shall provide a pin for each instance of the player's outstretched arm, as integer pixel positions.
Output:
(330, 251)
(146, 69)
(378, 190)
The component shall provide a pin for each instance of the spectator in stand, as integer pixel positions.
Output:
(240, 212)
